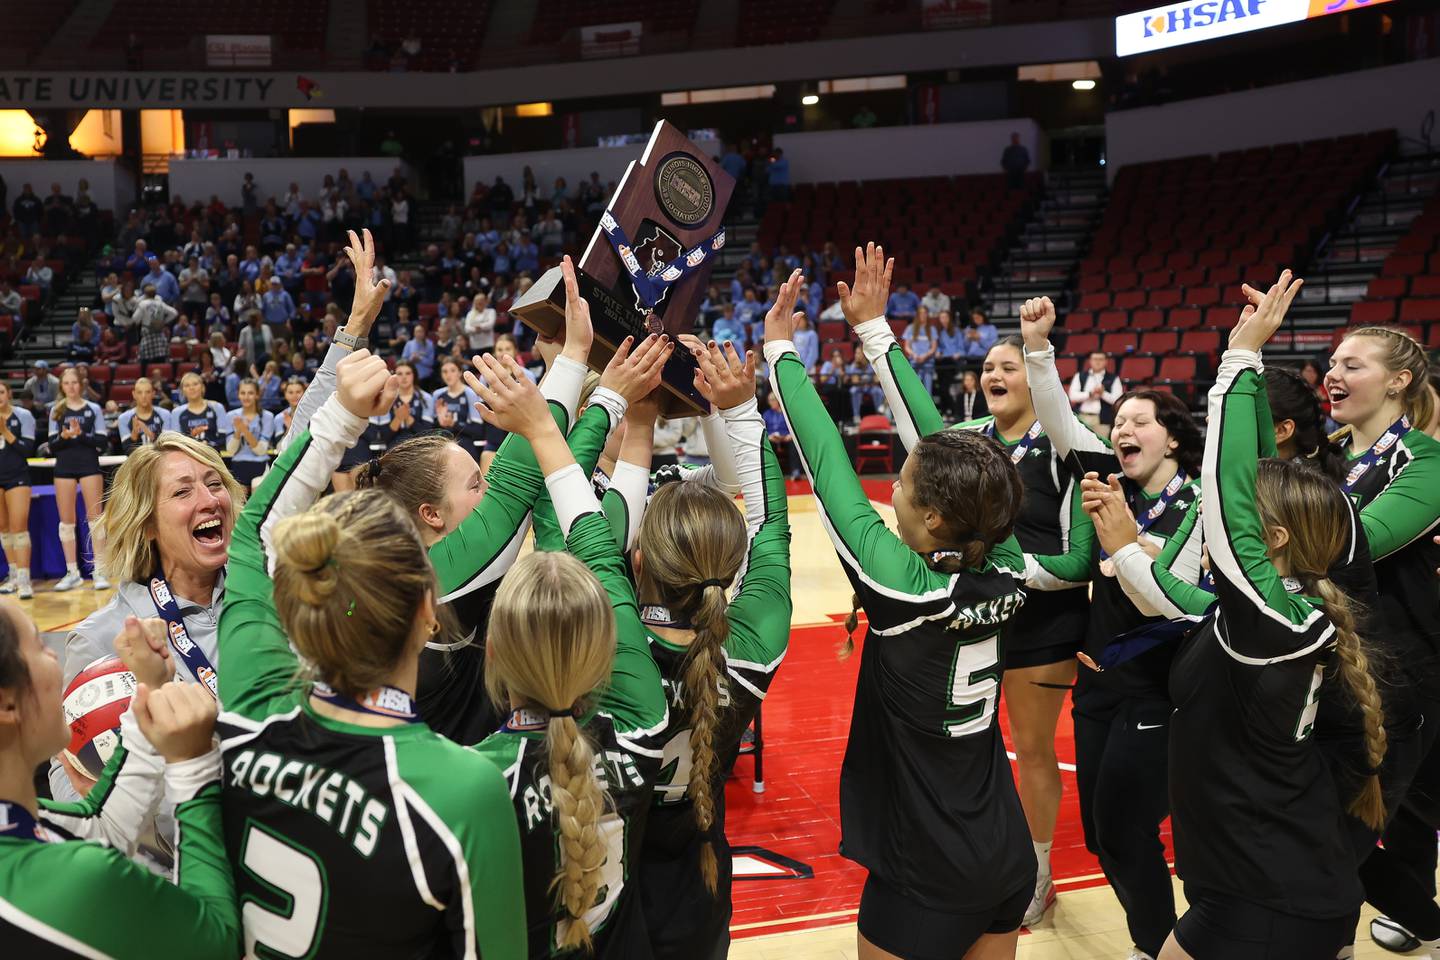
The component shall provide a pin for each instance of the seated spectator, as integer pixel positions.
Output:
(84, 337)
(903, 303)
(750, 314)
(921, 347)
(549, 233)
(949, 358)
(87, 388)
(256, 341)
(935, 301)
(277, 305)
(970, 402)
(112, 349)
(250, 266)
(830, 381)
(1093, 392)
(807, 345)
(272, 388)
(294, 368)
(217, 315)
(11, 303)
(420, 353)
(780, 437)
(980, 336)
(195, 288)
(480, 324)
(43, 387)
(153, 316)
(288, 268)
(138, 262)
(312, 354)
(863, 386)
(41, 276)
(184, 330)
(501, 261)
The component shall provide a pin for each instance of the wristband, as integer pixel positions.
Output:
(351, 341)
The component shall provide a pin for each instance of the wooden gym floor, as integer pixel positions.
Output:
(794, 823)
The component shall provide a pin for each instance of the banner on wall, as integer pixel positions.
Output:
(610, 40)
(1190, 22)
(237, 50)
(949, 14)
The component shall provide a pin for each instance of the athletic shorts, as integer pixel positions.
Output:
(1049, 628)
(1228, 928)
(15, 478)
(898, 924)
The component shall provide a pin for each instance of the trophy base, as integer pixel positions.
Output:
(542, 309)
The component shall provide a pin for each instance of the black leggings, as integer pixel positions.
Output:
(1122, 747)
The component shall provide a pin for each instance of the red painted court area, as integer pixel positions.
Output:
(806, 722)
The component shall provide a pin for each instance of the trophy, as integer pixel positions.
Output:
(647, 265)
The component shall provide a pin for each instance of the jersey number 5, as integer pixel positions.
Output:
(288, 928)
(974, 685)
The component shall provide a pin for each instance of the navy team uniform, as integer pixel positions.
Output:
(210, 425)
(158, 422)
(77, 457)
(14, 471)
(422, 409)
(1268, 872)
(469, 429)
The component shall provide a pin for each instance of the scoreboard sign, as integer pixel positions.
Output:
(1181, 23)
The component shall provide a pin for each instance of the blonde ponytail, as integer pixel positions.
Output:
(579, 802)
(1354, 666)
(704, 663)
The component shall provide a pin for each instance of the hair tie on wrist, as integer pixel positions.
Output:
(722, 584)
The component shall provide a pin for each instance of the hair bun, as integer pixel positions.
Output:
(306, 543)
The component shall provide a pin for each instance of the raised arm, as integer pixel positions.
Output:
(1047, 394)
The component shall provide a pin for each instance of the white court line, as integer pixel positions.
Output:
(1070, 767)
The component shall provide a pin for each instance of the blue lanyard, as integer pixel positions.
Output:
(1397, 430)
(16, 823)
(388, 701)
(651, 289)
(1021, 448)
(1158, 508)
(1133, 643)
(187, 649)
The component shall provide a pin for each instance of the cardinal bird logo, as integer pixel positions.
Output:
(308, 87)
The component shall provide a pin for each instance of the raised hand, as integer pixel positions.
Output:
(868, 298)
(178, 719)
(781, 319)
(369, 295)
(144, 647)
(509, 400)
(1263, 315)
(634, 375)
(1037, 319)
(1105, 502)
(723, 377)
(365, 386)
(579, 335)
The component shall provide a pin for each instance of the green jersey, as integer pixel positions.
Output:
(347, 840)
(927, 799)
(625, 730)
(63, 897)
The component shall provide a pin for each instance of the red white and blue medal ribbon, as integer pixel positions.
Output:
(1021, 448)
(185, 648)
(1157, 510)
(388, 701)
(1372, 456)
(651, 287)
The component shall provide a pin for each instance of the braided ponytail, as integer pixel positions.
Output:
(1354, 666)
(579, 802)
(704, 662)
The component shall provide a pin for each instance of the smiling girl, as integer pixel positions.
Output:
(77, 436)
(1121, 712)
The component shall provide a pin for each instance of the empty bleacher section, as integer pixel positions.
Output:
(169, 29)
(450, 32)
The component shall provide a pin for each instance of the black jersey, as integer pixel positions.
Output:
(80, 455)
(1255, 812)
(1398, 495)
(927, 799)
(347, 840)
(13, 454)
(422, 420)
(154, 425)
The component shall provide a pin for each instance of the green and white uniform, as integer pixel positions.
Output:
(625, 729)
(348, 840)
(927, 800)
(62, 896)
(1052, 527)
(685, 919)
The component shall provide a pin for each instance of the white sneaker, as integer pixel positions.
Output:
(26, 592)
(1393, 937)
(9, 585)
(1137, 954)
(1042, 901)
(100, 582)
(68, 582)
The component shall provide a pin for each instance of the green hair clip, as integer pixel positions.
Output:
(351, 612)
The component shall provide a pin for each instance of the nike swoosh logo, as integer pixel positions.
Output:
(1148, 726)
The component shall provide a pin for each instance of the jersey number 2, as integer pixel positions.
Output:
(296, 881)
(974, 685)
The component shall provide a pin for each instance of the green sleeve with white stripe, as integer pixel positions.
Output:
(468, 555)
(759, 614)
(481, 894)
(1074, 564)
(1187, 597)
(587, 440)
(914, 401)
(1408, 507)
(874, 557)
(1245, 577)
(257, 669)
(634, 695)
(86, 899)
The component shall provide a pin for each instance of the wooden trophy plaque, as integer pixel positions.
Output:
(647, 265)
